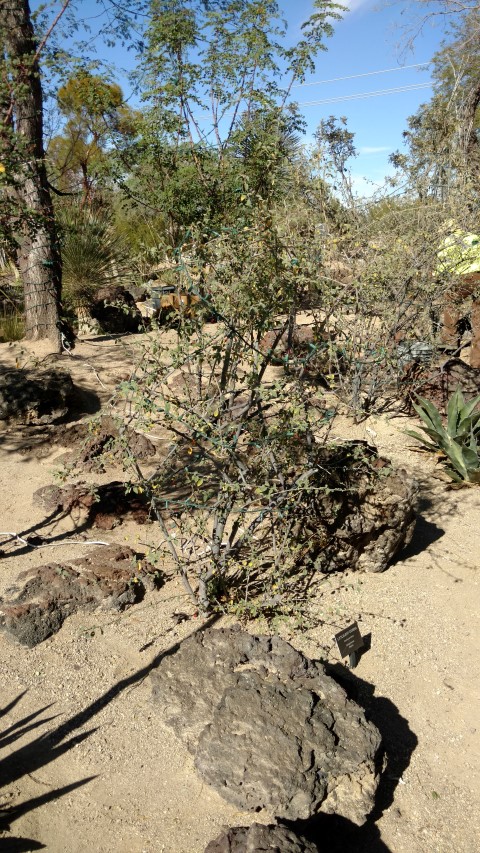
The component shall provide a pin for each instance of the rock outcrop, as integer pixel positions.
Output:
(115, 310)
(358, 511)
(439, 384)
(104, 507)
(260, 839)
(96, 439)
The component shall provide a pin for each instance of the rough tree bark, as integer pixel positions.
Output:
(39, 256)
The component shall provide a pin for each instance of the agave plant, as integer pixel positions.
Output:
(93, 254)
(457, 439)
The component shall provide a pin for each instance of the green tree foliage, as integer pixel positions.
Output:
(335, 147)
(96, 117)
(442, 136)
(216, 128)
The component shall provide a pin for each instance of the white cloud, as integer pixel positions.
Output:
(353, 5)
(374, 149)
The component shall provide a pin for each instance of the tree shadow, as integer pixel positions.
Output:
(113, 500)
(336, 833)
(33, 536)
(47, 747)
(19, 845)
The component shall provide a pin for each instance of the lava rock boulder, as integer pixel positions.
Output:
(267, 727)
(35, 396)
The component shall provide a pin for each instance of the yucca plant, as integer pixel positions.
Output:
(457, 439)
(93, 254)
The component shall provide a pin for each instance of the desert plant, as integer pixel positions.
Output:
(12, 327)
(241, 475)
(93, 254)
(457, 439)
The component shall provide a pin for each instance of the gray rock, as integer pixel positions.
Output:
(439, 384)
(103, 507)
(268, 728)
(35, 396)
(115, 310)
(260, 839)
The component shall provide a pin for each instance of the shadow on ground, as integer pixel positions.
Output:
(425, 534)
(336, 834)
(25, 760)
(50, 745)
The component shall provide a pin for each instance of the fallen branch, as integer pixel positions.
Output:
(53, 544)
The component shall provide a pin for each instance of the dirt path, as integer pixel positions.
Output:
(87, 761)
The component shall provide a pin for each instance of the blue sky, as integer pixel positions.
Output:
(367, 42)
(370, 38)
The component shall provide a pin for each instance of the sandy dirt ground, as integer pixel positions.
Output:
(86, 763)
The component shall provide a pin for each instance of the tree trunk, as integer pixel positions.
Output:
(39, 255)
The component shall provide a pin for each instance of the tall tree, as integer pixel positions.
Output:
(96, 115)
(443, 135)
(219, 123)
(27, 216)
(26, 184)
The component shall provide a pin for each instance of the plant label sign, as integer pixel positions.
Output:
(349, 640)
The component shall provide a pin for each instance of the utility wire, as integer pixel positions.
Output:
(361, 95)
(364, 74)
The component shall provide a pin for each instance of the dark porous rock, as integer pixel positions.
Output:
(267, 727)
(260, 839)
(35, 396)
(97, 439)
(115, 310)
(439, 384)
(104, 507)
(359, 512)
(313, 348)
(44, 597)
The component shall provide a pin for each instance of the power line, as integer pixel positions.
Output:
(362, 95)
(364, 74)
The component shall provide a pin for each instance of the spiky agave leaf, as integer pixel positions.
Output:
(93, 254)
(457, 440)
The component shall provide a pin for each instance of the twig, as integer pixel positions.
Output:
(53, 544)
(17, 537)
